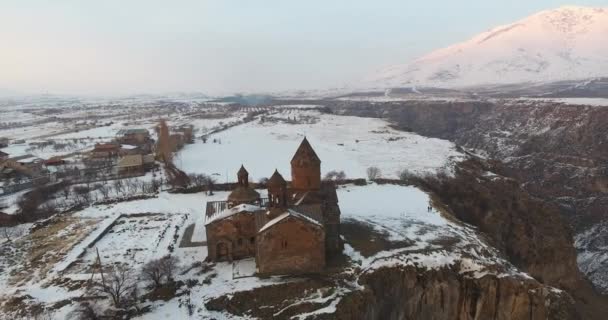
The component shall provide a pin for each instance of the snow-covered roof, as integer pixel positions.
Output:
(28, 158)
(232, 211)
(289, 213)
(128, 147)
(133, 131)
(130, 161)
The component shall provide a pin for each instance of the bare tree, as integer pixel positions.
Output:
(169, 266)
(337, 176)
(199, 179)
(86, 311)
(407, 176)
(105, 191)
(8, 233)
(160, 271)
(131, 185)
(66, 192)
(373, 173)
(155, 184)
(120, 285)
(83, 194)
(119, 186)
(152, 271)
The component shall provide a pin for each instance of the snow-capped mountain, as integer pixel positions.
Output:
(567, 43)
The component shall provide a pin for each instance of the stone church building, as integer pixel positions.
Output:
(292, 231)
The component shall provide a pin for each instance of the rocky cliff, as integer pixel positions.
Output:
(396, 292)
(557, 153)
(406, 293)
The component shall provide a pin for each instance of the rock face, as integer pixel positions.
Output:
(397, 292)
(405, 293)
(560, 155)
(529, 231)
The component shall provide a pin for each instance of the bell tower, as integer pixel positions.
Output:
(243, 177)
(305, 168)
(277, 191)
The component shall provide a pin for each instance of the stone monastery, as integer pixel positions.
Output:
(293, 231)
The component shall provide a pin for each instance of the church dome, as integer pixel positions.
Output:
(276, 180)
(243, 195)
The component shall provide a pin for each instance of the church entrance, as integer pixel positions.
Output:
(223, 251)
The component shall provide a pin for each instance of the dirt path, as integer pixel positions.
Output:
(187, 239)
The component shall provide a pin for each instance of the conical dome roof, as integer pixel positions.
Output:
(305, 152)
(242, 172)
(276, 180)
(243, 195)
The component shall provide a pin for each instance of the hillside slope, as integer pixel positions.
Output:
(561, 44)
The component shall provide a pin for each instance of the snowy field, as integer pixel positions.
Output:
(140, 230)
(383, 225)
(351, 144)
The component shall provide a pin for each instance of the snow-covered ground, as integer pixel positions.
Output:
(140, 230)
(57, 260)
(351, 144)
(592, 258)
(595, 102)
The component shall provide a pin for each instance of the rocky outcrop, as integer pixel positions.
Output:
(406, 293)
(403, 292)
(528, 230)
(556, 153)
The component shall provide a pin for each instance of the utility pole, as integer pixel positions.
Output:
(103, 280)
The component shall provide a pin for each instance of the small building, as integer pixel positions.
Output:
(188, 133)
(7, 220)
(176, 141)
(4, 142)
(130, 165)
(26, 164)
(105, 150)
(133, 136)
(54, 161)
(127, 149)
(3, 155)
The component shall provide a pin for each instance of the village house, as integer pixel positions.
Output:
(176, 141)
(134, 164)
(22, 172)
(187, 132)
(54, 161)
(130, 165)
(293, 231)
(139, 138)
(133, 136)
(105, 151)
(3, 156)
(4, 142)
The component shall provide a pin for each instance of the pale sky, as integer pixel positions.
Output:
(216, 47)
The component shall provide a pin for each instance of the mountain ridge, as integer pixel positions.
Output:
(560, 44)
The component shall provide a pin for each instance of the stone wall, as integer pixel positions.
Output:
(291, 246)
(306, 176)
(235, 234)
